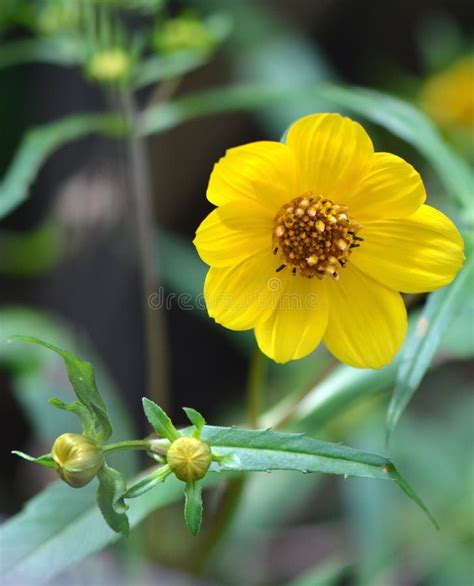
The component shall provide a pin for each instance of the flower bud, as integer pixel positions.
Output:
(109, 66)
(78, 458)
(189, 458)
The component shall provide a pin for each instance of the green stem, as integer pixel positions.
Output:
(255, 388)
(127, 445)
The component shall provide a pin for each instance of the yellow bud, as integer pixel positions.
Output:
(189, 458)
(109, 66)
(78, 458)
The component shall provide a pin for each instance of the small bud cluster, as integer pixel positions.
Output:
(314, 236)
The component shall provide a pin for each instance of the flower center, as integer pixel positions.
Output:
(314, 236)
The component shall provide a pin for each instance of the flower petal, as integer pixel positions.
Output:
(391, 189)
(298, 322)
(234, 232)
(333, 154)
(416, 254)
(263, 172)
(367, 322)
(239, 296)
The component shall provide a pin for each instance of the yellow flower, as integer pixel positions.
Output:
(313, 240)
(449, 96)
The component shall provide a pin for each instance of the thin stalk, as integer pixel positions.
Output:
(128, 445)
(155, 334)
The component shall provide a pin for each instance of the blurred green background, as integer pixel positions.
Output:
(71, 273)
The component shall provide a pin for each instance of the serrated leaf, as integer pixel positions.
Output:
(160, 422)
(39, 143)
(81, 375)
(112, 487)
(193, 506)
(440, 309)
(196, 419)
(46, 460)
(397, 116)
(266, 450)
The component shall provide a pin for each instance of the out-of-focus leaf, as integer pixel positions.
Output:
(264, 49)
(61, 526)
(30, 253)
(39, 143)
(82, 377)
(176, 64)
(325, 574)
(65, 51)
(266, 450)
(161, 68)
(335, 394)
(458, 341)
(112, 487)
(193, 506)
(397, 116)
(418, 352)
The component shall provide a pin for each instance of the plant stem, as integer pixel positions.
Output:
(255, 388)
(127, 445)
(156, 346)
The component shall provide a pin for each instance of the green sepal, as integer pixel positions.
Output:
(148, 482)
(46, 460)
(196, 419)
(160, 422)
(110, 499)
(78, 409)
(193, 506)
(82, 378)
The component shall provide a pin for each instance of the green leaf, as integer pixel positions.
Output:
(79, 409)
(57, 51)
(193, 506)
(110, 499)
(266, 450)
(196, 419)
(160, 422)
(167, 67)
(61, 526)
(81, 375)
(46, 460)
(439, 311)
(39, 143)
(397, 116)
